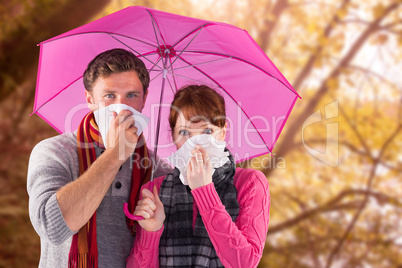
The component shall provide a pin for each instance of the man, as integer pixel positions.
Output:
(77, 188)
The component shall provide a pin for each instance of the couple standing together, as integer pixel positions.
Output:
(77, 188)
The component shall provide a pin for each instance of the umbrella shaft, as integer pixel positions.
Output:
(159, 117)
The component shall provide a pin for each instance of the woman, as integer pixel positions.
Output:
(221, 218)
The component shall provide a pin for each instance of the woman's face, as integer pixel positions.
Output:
(185, 129)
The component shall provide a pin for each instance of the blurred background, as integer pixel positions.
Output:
(335, 174)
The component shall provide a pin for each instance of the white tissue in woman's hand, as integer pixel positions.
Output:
(104, 117)
(214, 148)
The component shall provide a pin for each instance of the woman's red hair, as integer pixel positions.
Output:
(196, 103)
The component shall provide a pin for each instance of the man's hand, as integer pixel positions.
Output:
(122, 136)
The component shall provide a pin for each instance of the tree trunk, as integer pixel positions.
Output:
(287, 141)
(19, 52)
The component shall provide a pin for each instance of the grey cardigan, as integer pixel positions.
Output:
(54, 163)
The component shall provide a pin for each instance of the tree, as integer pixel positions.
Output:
(329, 51)
(323, 48)
(27, 25)
(335, 182)
(24, 24)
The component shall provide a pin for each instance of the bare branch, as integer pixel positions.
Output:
(330, 206)
(391, 25)
(334, 205)
(354, 149)
(327, 32)
(271, 21)
(354, 21)
(371, 73)
(19, 51)
(364, 202)
(294, 129)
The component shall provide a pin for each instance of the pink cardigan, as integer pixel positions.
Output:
(237, 244)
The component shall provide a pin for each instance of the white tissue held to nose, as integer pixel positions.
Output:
(104, 117)
(215, 149)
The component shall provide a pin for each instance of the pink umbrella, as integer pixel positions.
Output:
(178, 51)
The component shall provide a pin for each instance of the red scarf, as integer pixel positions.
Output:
(84, 248)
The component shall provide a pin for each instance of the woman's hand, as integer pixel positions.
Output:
(199, 170)
(151, 208)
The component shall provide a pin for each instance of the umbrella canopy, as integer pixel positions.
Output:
(177, 51)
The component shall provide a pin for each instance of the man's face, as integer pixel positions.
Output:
(118, 88)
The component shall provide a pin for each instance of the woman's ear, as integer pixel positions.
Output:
(224, 131)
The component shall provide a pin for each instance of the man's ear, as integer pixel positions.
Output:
(90, 101)
(145, 98)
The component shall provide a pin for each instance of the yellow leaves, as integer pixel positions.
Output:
(350, 82)
(319, 62)
(313, 27)
(305, 48)
(378, 10)
(309, 182)
(332, 83)
(382, 38)
(379, 39)
(342, 13)
(400, 39)
(338, 42)
(270, 17)
(322, 41)
(326, 48)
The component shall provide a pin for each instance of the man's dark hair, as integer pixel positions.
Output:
(116, 60)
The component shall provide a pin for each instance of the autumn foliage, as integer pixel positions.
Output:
(335, 174)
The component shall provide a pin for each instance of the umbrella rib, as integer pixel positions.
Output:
(141, 55)
(186, 46)
(233, 99)
(202, 63)
(161, 72)
(245, 61)
(153, 53)
(192, 79)
(118, 40)
(203, 73)
(172, 72)
(173, 88)
(184, 36)
(57, 94)
(130, 37)
(199, 28)
(155, 76)
(98, 32)
(155, 65)
(154, 23)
